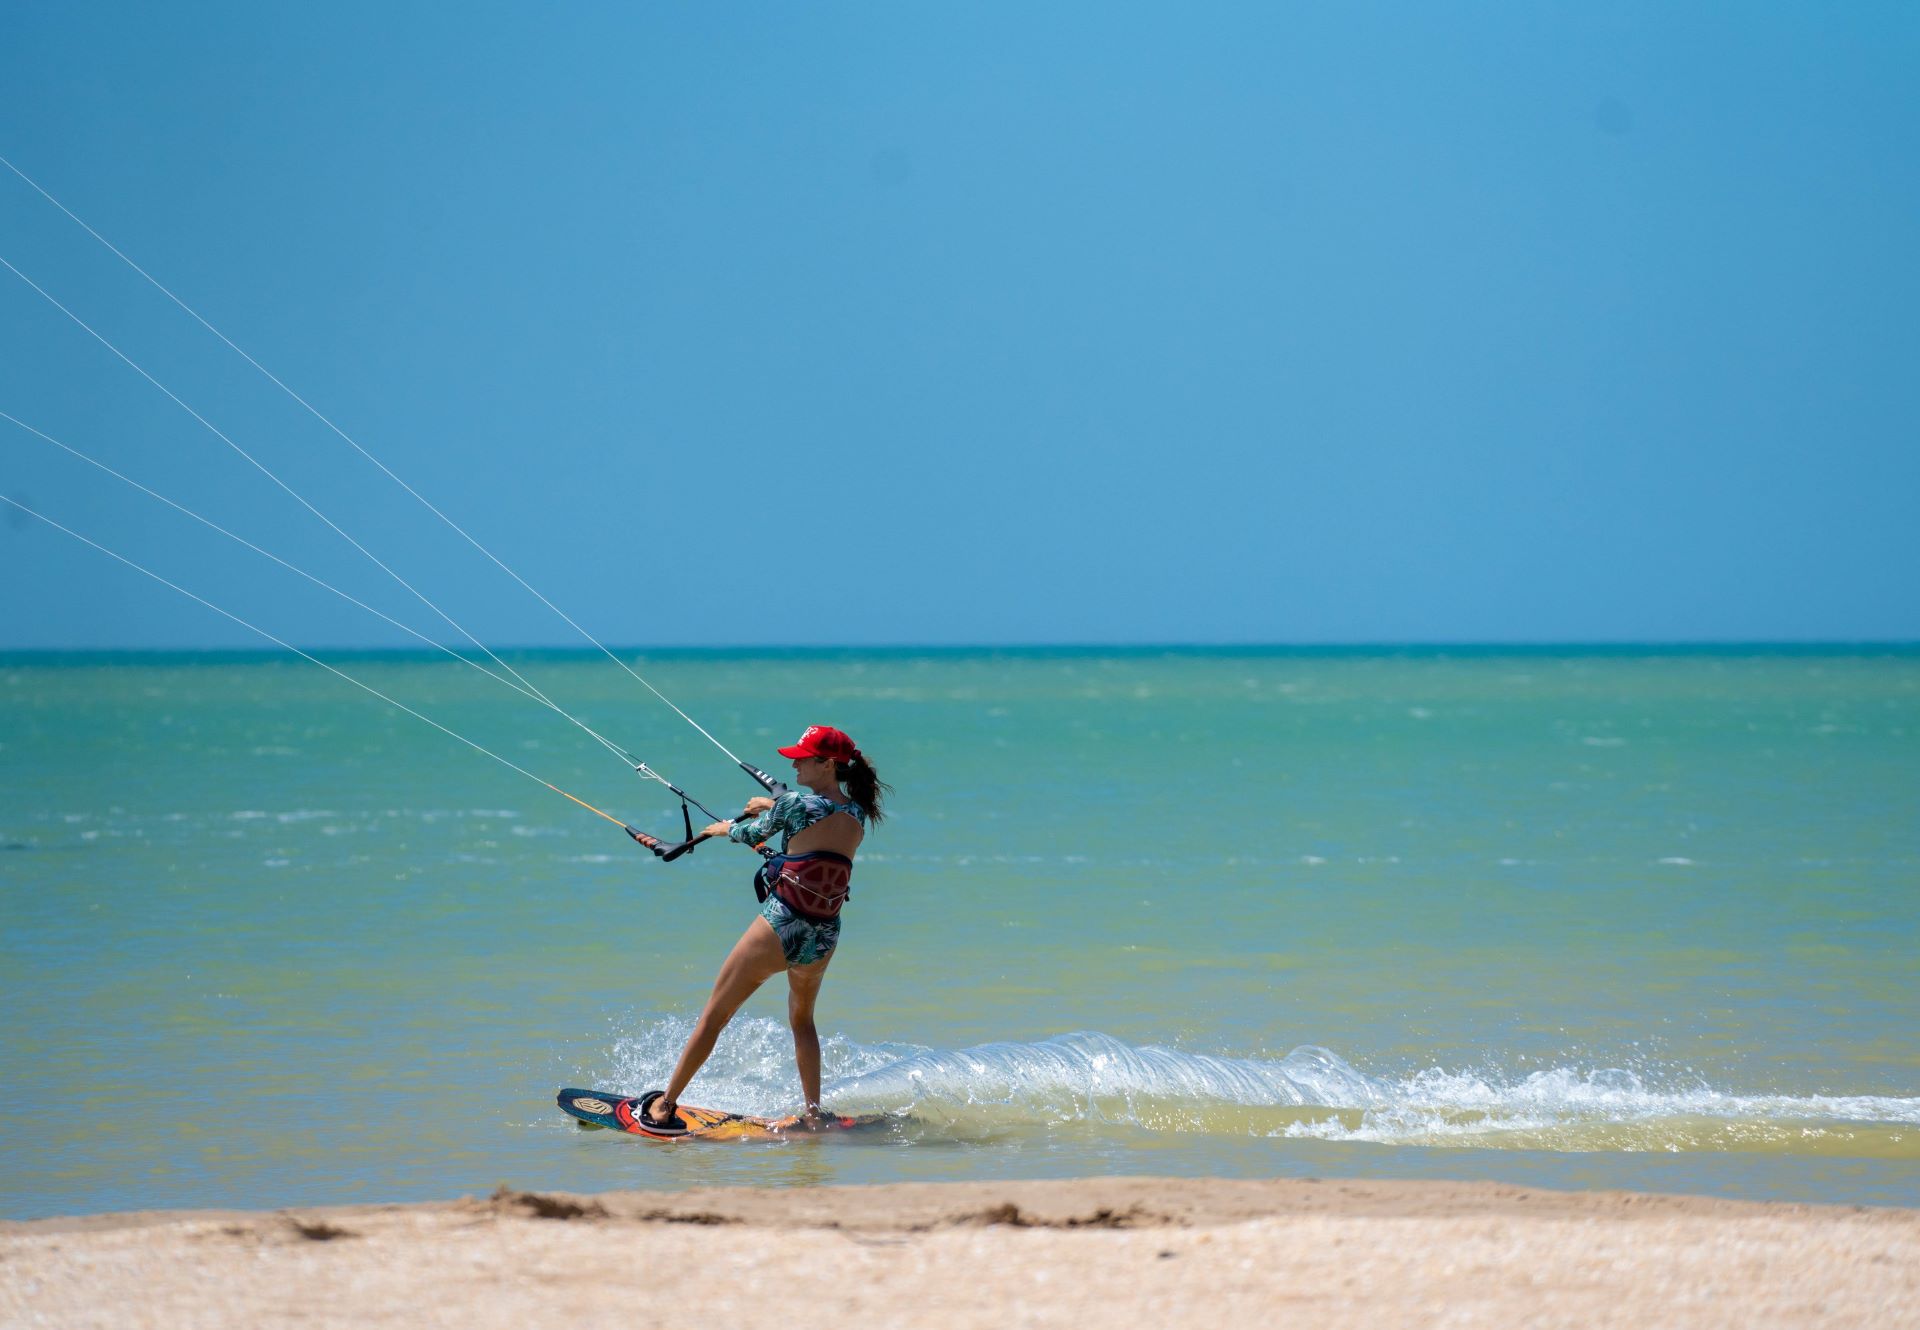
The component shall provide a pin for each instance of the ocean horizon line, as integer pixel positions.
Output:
(953, 651)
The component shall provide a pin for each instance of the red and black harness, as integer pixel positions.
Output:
(814, 885)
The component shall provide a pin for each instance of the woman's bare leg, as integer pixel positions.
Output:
(755, 958)
(803, 989)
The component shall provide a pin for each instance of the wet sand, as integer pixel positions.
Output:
(1172, 1252)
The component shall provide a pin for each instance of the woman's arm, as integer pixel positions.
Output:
(758, 825)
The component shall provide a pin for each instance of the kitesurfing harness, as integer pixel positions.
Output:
(814, 885)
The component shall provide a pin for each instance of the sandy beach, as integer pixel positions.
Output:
(1141, 1251)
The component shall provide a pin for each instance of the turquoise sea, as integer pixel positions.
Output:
(1626, 919)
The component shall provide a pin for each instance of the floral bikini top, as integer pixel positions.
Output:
(791, 814)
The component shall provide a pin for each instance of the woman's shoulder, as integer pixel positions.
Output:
(801, 803)
(818, 806)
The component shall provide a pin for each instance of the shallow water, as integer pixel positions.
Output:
(1620, 919)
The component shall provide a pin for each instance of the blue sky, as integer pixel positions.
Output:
(974, 324)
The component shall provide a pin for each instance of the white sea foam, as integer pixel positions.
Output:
(1598, 1108)
(1310, 1093)
(751, 1070)
(1089, 1075)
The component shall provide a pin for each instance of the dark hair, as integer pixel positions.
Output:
(863, 784)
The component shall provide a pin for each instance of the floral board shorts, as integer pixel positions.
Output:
(803, 940)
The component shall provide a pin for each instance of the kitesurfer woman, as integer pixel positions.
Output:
(820, 827)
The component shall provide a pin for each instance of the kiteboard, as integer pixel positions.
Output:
(618, 1112)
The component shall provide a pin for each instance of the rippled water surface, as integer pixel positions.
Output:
(1626, 919)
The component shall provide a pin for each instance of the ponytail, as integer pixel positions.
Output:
(863, 784)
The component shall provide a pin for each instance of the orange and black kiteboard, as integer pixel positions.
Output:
(618, 1112)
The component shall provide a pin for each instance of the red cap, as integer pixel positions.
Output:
(823, 741)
